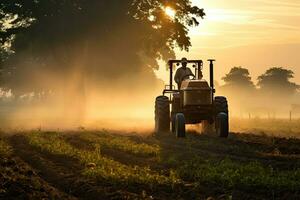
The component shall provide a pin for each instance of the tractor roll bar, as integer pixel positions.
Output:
(172, 62)
(211, 78)
(211, 73)
(200, 65)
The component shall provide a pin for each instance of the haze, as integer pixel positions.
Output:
(255, 34)
(88, 84)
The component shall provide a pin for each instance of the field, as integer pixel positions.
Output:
(271, 127)
(111, 165)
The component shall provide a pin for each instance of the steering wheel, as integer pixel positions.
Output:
(188, 75)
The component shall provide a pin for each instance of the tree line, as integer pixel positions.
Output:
(275, 81)
(274, 92)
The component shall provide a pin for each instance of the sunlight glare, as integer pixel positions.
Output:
(170, 12)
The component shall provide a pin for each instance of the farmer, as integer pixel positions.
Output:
(183, 72)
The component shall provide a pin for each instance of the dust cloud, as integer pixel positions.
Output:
(90, 82)
(124, 103)
(118, 104)
(110, 88)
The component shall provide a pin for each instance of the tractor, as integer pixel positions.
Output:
(193, 103)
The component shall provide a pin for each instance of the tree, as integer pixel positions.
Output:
(238, 77)
(276, 81)
(4, 72)
(94, 40)
(239, 89)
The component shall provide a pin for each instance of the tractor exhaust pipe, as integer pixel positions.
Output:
(211, 73)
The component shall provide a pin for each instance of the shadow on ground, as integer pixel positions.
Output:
(197, 167)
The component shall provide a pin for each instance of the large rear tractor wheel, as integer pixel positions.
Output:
(180, 125)
(162, 114)
(222, 117)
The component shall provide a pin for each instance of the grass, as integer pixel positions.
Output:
(136, 167)
(105, 168)
(122, 143)
(5, 149)
(19, 181)
(233, 175)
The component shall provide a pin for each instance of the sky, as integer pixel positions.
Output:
(256, 34)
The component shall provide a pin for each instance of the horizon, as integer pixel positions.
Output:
(245, 34)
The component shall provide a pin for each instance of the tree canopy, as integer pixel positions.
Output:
(238, 77)
(102, 39)
(276, 80)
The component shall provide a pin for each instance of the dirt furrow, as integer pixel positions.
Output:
(61, 172)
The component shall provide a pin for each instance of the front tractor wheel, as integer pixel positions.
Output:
(222, 117)
(180, 125)
(173, 122)
(222, 125)
(162, 114)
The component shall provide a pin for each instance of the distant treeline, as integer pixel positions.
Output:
(276, 80)
(274, 92)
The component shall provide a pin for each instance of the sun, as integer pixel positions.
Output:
(170, 12)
